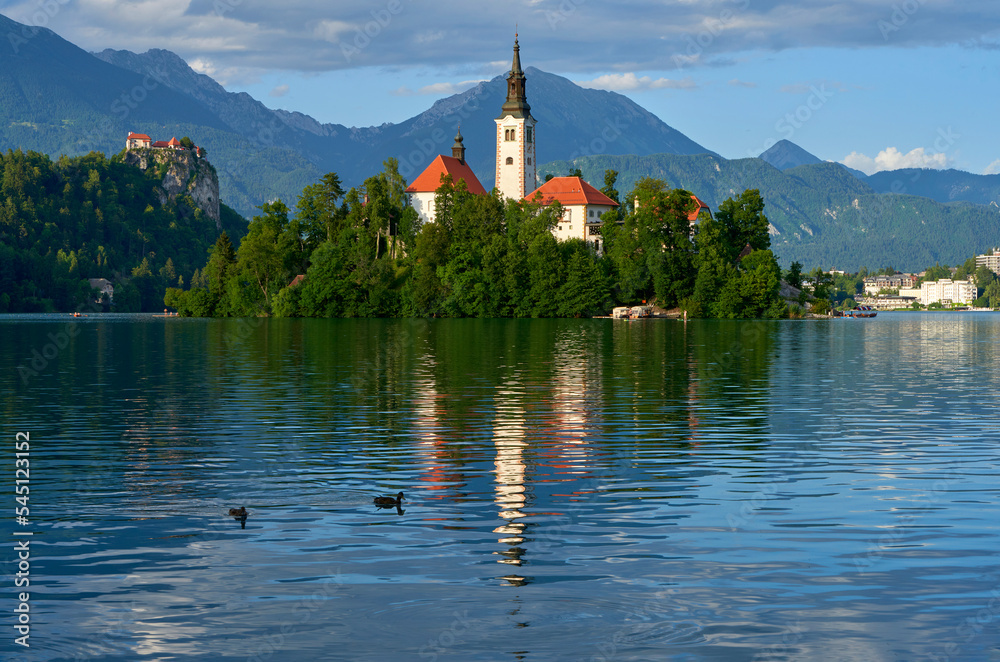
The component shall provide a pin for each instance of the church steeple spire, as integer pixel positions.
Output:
(458, 149)
(515, 67)
(517, 102)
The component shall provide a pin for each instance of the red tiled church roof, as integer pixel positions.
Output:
(693, 216)
(570, 191)
(430, 178)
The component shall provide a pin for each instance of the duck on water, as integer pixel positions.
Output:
(389, 502)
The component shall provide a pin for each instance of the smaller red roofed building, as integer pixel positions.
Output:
(702, 207)
(421, 192)
(583, 205)
(173, 143)
(695, 213)
(137, 141)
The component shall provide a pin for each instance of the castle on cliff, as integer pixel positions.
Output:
(141, 141)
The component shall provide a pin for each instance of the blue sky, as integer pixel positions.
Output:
(877, 84)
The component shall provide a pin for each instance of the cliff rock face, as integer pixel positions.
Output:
(183, 174)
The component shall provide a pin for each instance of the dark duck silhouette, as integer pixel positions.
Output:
(240, 515)
(389, 502)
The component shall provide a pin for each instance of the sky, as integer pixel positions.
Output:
(874, 84)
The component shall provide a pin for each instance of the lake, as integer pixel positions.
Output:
(573, 489)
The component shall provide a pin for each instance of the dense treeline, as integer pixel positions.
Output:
(822, 214)
(63, 222)
(364, 253)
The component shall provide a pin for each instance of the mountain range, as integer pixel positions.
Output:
(59, 99)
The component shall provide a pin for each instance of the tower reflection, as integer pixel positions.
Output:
(510, 446)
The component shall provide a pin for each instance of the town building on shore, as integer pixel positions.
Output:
(876, 284)
(948, 292)
(991, 262)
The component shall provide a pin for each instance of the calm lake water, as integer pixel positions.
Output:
(574, 490)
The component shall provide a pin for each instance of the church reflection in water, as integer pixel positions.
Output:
(542, 416)
(508, 440)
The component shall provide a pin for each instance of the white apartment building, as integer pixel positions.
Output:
(948, 291)
(876, 284)
(991, 262)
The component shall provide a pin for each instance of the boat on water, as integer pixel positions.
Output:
(861, 311)
(632, 313)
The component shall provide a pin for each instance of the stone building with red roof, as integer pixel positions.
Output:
(421, 192)
(582, 204)
(137, 141)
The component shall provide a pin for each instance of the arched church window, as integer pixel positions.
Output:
(527, 133)
(510, 160)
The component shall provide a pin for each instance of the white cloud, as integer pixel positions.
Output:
(279, 91)
(993, 168)
(310, 36)
(331, 31)
(203, 66)
(741, 83)
(630, 82)
(437, 88)
(429, 37)
(892, 159)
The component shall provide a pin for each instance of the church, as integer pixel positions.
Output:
(583, 204)
(515, 152)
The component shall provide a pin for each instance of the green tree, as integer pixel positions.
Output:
(935, 273)
(261, 260)
(984, 276)
(610, 178)
(317, 212)
(584, 292)
(992, 292)
(794, 275)
(215, 275)
(742, 223)
(965, 269)
(727, 286)
(752, 292)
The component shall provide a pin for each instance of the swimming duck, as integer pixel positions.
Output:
(238, 512)
(389, 501)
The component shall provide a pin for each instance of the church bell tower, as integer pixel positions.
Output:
(515, 137)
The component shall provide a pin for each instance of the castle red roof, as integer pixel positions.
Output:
(173, 142)
(570, 191)
(138, 136)
(430, 179)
